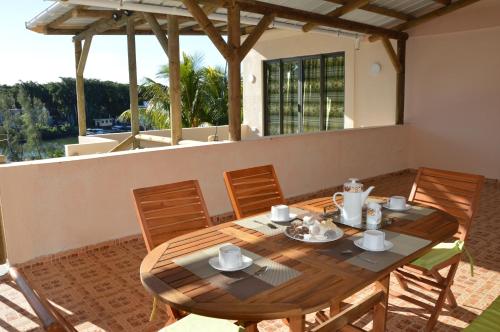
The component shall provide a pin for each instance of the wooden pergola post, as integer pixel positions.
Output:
(400, 82)
(174, 79)
(234, 72)
(132, 72)
(81, 55)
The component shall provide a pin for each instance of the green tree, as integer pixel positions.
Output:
(10, 129)
(34, 115)
(203, 96)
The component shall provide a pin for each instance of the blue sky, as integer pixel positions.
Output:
(29, 56)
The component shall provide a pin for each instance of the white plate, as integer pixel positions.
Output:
(408, 207)
(387, 245)
(331, 236)
(246, 262)
(291, 216)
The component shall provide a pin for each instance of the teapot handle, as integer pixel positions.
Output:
(335, 200)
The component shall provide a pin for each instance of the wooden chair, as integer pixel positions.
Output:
(50, 318)
(457, 194)
(342, 320)
(170, 210)
(167, 211)
(253, 190)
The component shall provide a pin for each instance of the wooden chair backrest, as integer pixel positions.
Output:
(170, 210)
(453, 192)
(253, 190)
(50, 318)
(347, 316)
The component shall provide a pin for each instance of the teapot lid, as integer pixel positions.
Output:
(353, 186)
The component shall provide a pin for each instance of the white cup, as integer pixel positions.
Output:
(373, 214)
(230, 256)
(280, 213)
(373, 240)
(397, 202)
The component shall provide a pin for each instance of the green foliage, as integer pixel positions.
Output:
(103, 98)
(203, 96)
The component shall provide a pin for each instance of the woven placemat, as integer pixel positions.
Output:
(260, 222)
(404, 245)
(413, 214)
(242, 284)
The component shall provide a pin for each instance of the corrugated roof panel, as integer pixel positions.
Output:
(318, 6)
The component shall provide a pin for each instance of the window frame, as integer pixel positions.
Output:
(300, 60)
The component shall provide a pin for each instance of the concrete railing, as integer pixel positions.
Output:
(59, 204)
(103, 143)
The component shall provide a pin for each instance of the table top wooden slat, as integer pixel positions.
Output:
(323, 279)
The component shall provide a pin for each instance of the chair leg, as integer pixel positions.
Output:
(401, 281)
(442, 298)
(450, 298)
(173, 315)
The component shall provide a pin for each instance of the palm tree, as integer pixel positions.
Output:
(203, 96)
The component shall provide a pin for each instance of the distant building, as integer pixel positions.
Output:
(104, 123)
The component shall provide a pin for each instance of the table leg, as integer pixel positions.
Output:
(380, 310)
(297, 323)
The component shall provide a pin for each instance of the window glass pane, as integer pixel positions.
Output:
(273, 98)
(291, 76)
(311, 94)
(334, 92)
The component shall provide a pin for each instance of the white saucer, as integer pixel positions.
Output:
(387, 245)
(246, 262)
(408, 207)
(291, 216)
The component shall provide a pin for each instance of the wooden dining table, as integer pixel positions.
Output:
(323, 280)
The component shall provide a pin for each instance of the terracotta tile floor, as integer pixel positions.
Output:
(101, 291)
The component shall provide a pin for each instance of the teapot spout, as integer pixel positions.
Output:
(366, 193)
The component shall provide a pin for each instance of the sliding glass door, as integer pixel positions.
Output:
(304, 94)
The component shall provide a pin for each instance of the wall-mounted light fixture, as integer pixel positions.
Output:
(251, 78)
(357, 43)
(375, 69)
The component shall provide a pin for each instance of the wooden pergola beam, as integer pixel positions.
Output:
(157, 30)
(132, 72)
(379, 10)
(348, 7)
(400, 82)
(443, 2)
(208, 27)
(429, 16)
(392, 54)
(174, 77)
(104, 25)
(81, 55)
(254, 36)
(264, 8)
(234, 71)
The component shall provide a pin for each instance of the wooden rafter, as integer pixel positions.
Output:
(208, 27)
(256, 33)
(105, 24)
(379, 10)
(392, 54)
(348, 7)
(160, 34)
(264, 8)
(429, 16)
(443, 2)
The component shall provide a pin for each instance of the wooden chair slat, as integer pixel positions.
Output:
(253, 190)
(457, 194)
(178, 205)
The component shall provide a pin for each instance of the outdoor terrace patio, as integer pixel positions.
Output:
(414, 102)
(100, 290)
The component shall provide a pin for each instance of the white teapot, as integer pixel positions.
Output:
(353, 199)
